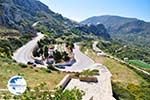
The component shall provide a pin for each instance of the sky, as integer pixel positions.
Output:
(79, 10)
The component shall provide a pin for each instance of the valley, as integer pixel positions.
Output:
(103, 57)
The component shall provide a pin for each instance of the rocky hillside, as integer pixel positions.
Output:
(112, 23)
(21, 14)
(129, 30)
(98, 30)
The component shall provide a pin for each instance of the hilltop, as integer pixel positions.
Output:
(127, 30)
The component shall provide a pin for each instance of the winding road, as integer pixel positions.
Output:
(101, 90)
(24, 54)
(82, 62)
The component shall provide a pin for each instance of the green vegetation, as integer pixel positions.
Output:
(73, 94)
(121, 93)
(46, 52)
(57, 56)
(139, 63)
(51, 68)
(60, 56)
(132, 92)
(26, 38)
(70, 45)
(7, 46)
(10, 44)
(140, 40)
(42, 48)
(46, 41)
(65, 56)
(90, 72)
(127, 83)
(41, 92)
(124, 30)
(125, 51)
(23, 65)
(34, 76)
(8, 32)
(44, 29)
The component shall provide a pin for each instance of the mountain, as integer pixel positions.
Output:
(97, 30)
(112, 23)
(21, 14)
(128, 30)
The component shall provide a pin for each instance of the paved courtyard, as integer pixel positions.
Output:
(101, 90)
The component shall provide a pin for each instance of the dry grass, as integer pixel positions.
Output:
(120, 72)
(33, 76)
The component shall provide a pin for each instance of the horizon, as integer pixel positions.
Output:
(76, 11)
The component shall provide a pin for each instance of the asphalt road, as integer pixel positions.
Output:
(82, 62)
(23, 54)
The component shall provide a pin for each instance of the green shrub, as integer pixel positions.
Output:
(120, 93)
(90, 72)
(51, 67)
(23, 65)
(45, 94)
(65, 56)
(132, 87)
(21, 74)
(46, 52)
(57, 56)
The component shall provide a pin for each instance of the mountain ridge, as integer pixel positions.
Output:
(98, 30)
(22, 14)
(128, 30)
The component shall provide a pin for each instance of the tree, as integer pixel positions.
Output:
(50, 68)
(41, 51)
(70, 45)
(35, 52)
(57, 56)
(39, 44)
(46, 52)
(65, 56)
